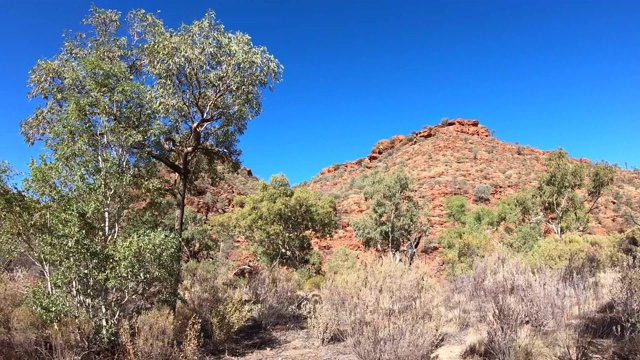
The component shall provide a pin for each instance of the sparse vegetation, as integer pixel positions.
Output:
(103, 257)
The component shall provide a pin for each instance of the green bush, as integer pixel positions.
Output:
(524, 238)
(279, 221)
(342, 260)
(455, 208)
(575, 250)
(481, 217)
(462, 246)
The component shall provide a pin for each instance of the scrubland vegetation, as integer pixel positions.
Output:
(101, 258)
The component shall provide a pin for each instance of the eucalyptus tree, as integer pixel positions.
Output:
(181, 97)
(95, 110)
(279, 221)
(395, 216)
(113, 102)
(207, 84)
(568, 191)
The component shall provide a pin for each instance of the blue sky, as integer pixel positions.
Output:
(541, 73)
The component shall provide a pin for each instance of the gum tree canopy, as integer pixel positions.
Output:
(181, 97)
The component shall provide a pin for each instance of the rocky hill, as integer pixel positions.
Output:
(453, 158)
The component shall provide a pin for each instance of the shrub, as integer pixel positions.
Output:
(560, 252)
(576, 251)
(481, 217)
(274, 293)
(529, 312)
(456, 208)
(524, 239)
(279, 221)
(153, 336)
(210, 293)
(382, 310)
(342, 260)
(626, 300)
(462, 246)
(20, 329)
(482, 193)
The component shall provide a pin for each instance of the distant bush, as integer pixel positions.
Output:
(407, 140)
(576, 250)
(455, 208)
(462, 246)
(278, 221)
(481, 217)
(524, 239)
(482, 193)
(342, 260)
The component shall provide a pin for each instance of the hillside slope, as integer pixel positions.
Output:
(452, 159)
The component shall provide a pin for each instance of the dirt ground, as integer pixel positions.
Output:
(298, 344)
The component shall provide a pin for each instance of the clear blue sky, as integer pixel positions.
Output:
(544, 73)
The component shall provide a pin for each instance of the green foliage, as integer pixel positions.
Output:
(394, 215)
(342, 260)
(207, 84)
(137, 92)
(560, 252)
(279, 221)
(576, 251)
(455, 208)
(481, 217)
(561, 203)
(463, 245)
(524, 238)
(559, 199)
(197, 241)
(50, 306)
(145, 266)
(517, 209)
(15, 214)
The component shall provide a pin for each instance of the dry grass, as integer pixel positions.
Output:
(529, 313)
(277, 300)
(210, 294)
(382, 310)
(152, 336)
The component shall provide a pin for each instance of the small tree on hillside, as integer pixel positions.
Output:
(563, 207)
(279, 221)
(394, 217)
